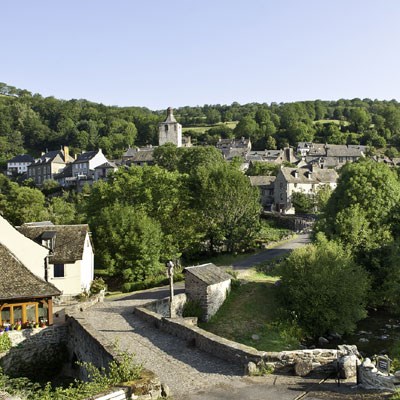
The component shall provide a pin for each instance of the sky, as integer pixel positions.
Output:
(160, 53)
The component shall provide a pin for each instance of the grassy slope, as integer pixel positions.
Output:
(202, 129)
(251, 309)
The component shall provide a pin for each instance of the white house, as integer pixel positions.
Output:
(32, 255)
(86, 162)
(304, 180)
(19, 164)
(70, 258)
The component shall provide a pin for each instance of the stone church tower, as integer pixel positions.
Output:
(170, 131)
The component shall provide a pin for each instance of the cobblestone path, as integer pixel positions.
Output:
(184, 369)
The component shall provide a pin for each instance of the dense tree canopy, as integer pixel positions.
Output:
(362, 213)
(323, 288)
(32, 123)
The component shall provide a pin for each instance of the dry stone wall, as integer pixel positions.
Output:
(322, 360)
(36, 353)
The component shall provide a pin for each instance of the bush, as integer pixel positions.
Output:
(323, 289)
(192, 309)
(97, 285)
(5, 342)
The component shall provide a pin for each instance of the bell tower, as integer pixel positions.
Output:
(170, 131)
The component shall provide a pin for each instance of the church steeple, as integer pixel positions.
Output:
(170, 115)
(170, 131)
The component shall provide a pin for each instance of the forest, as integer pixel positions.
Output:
(30, 123)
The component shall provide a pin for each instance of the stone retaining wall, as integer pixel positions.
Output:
(36, 352)
(162, 306)
(319, 359)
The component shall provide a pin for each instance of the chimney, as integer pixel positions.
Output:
(66, 154)
(295, 174)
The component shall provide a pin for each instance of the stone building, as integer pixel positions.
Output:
(209, 285)
(49, 165)
(266, 186)
(170, 131)
(300, 180)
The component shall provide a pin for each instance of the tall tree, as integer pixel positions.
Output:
(323, 288)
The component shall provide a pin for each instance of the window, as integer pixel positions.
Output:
(36, 311)
(166, 127)
(59, 271)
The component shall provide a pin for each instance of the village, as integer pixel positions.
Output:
(46, 268)
(304, 169)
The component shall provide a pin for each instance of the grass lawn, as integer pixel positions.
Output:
(251, 310)
(332, 121)
(203, 128)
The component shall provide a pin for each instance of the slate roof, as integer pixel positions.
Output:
(303, 175)
(17, 282)
(208, 273)
(142, 156)
(86, 156)
(69, 240)
(335, 150)
(108, 164)
(130, 152)
(22, 158)
(262, 180)
(51, 156)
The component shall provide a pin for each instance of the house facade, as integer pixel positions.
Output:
(208, 285)
(266, 186)
(85, 164)
(49, 165)
(101, 172)
(19, 164)
(303, 180)
(70, 260)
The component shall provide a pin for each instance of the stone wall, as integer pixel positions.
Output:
(318, 359)
(216, 295)
(87, 345)
(36, 353)
(162, 306)
(210, 297)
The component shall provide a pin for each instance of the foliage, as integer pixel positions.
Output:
(362, 213)
(97, 285)
(303, 203)
(32, 123)
(323, 289)
(259, 168)
(228, 207)
(270, 232)
(130, 242)
(5, 342)
(192, 309)
(123, 370)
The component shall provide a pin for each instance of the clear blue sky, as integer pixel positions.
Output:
(160, 53)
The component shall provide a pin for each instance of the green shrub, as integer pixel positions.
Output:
(192, 309)
(5, 342)
(97, 285)
(120, 371)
